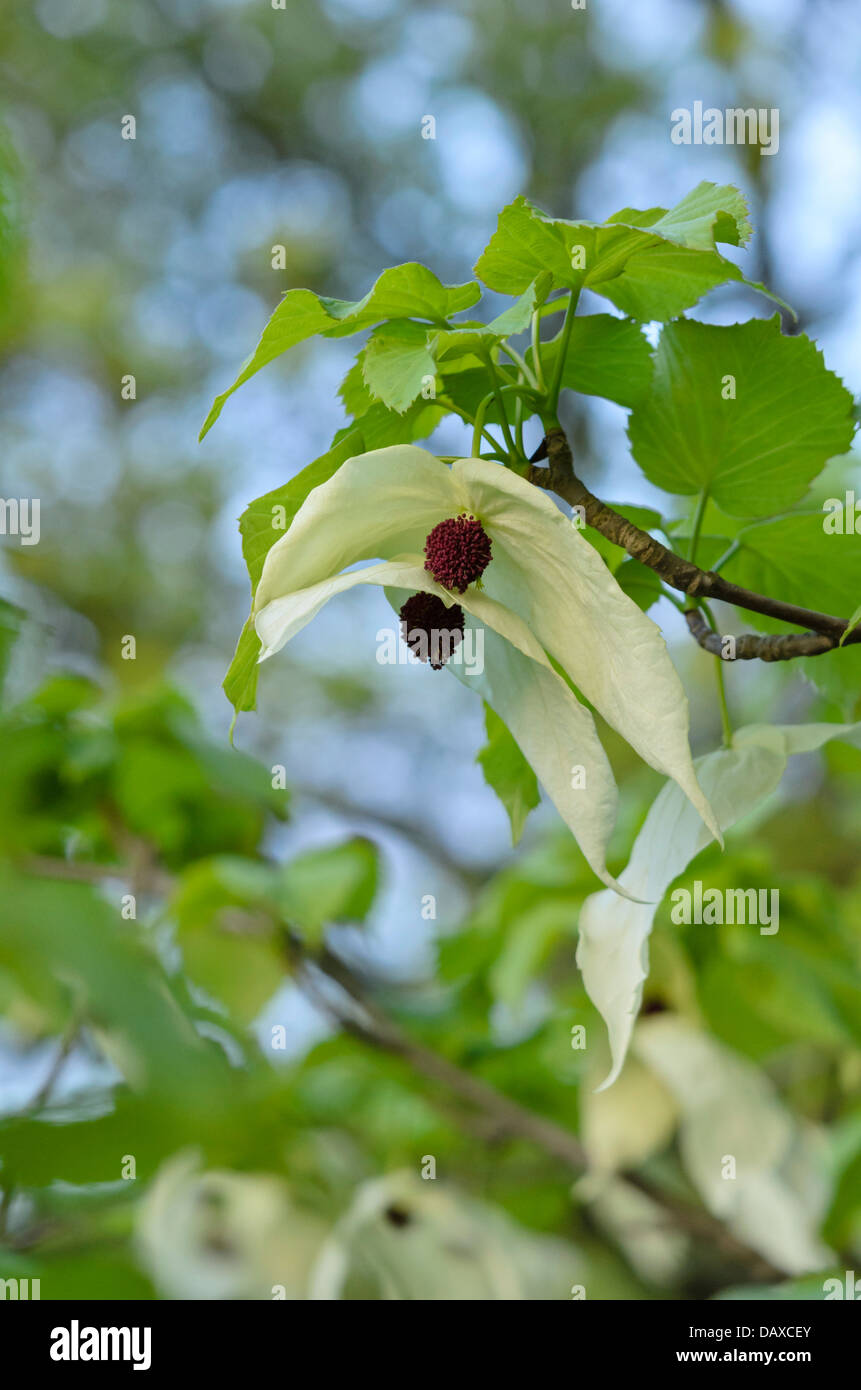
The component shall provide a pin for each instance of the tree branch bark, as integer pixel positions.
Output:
(681, 574)
(751, 646)
(360, 1015)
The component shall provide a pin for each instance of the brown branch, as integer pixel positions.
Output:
(751, 646)
(679, 573)
(362, 1017)
(418, 835)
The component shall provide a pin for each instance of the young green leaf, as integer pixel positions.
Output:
(379, 425)
(478, 339)
(852, 624)
(401, 292)
(652, 264)
(525, 244)
(397, 364)
(707, 214)
(240, 968)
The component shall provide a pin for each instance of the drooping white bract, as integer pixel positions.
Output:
(613, 949)
(545, 594)
(780, 1189)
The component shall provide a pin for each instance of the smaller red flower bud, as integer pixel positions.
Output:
(431, 631)
(457, 552)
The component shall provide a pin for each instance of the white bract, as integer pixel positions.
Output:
(778, 1193)
(407, 1239)
(613, 950)
(545, 594)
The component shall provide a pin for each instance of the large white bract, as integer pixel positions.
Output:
(613, 950)
(546, 597)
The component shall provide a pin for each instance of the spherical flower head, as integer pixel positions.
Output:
(457, 552)
(431, 631)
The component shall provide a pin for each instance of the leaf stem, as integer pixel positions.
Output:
(479, 429)
(726, 722)
(476, 420)
(698, 524)
(727, 556)
(516, 357)
(518, 425)
(537, 364)
(497, 391)
(564, 340)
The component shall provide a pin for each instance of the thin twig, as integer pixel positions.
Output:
(752, 646)
(363, 1019)
(680, 573)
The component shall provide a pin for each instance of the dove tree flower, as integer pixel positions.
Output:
(494, 552)
(733, 422)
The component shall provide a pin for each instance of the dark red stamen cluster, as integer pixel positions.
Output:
(458, 552)
(431, 631)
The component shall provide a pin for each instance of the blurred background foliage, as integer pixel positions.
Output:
(239, 1021)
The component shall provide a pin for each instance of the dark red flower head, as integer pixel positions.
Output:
(431, 631)
(458, 552)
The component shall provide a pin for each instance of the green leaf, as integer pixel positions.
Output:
(378, 425)
(267, 518)
(852, 624)
(652, 264)
(639, 583)
(707, 214)
(606, 356)
(228, 943)
(467, 386)
(336, 884)
(528, 944)
(663, 280)
(240, 682)
(479, 339)
(263, 522)
(401, 292)
(10, 625)
(526, 243)
(757, 452)
(396, 363)
(508, 773)
(795, 559)
(837, 678)
(65, 934)
(381, 427)
(185, 795)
